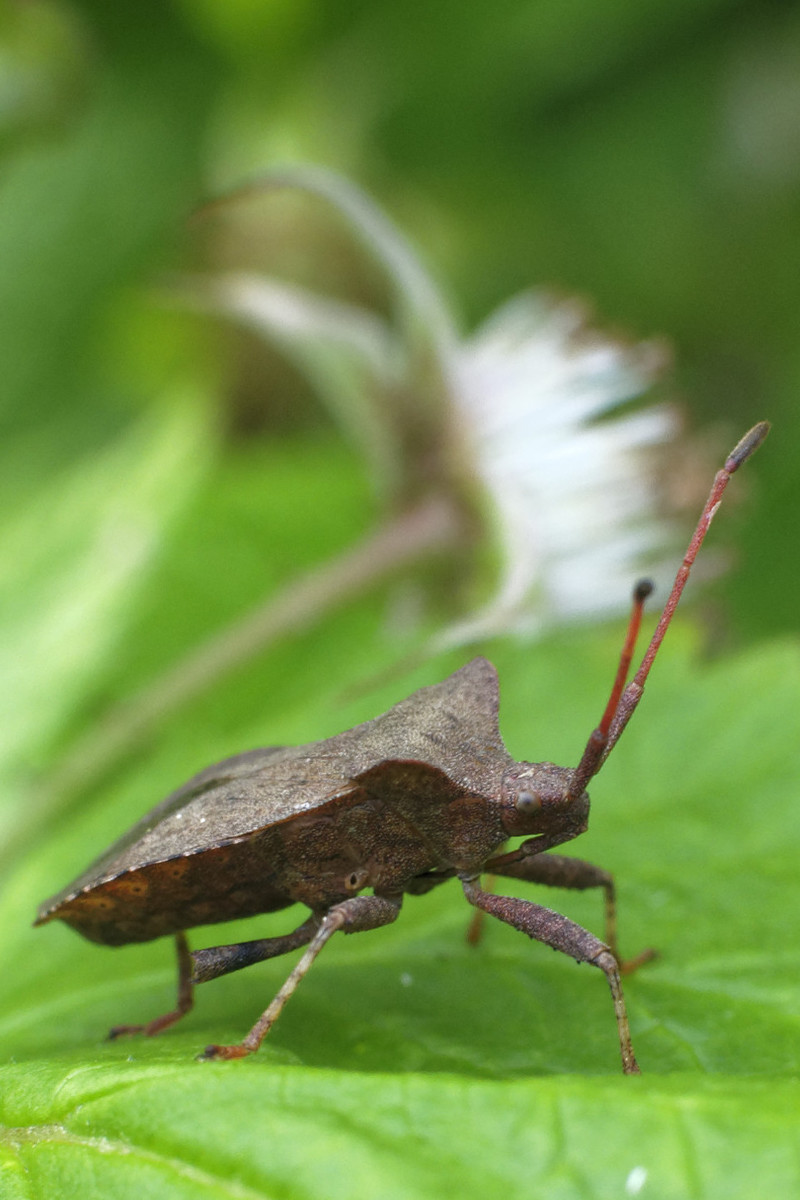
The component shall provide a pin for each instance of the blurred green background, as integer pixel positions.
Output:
(642, 155)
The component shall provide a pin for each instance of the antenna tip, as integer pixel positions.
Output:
(643, 589)
(748, 444)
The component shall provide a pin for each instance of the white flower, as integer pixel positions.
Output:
(575, 500)
(526, 408)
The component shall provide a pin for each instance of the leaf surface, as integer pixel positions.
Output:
(410, 1064)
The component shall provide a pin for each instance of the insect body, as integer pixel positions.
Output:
(400, 804)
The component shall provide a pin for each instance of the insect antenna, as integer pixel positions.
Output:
(623, 700)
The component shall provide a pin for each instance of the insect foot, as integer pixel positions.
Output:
(399, 805)
(353, 916)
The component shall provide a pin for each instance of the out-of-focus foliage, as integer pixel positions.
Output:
(161, 474)
(644, 155)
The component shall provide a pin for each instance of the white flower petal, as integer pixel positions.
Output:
(574, 503)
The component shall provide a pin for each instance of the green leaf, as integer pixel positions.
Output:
(75, 555)
(410, 1064)
(287, 1131)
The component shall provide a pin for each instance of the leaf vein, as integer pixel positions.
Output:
(16, 1138)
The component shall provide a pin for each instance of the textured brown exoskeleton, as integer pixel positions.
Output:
(398, 805)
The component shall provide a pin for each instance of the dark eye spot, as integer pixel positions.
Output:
(527, 801)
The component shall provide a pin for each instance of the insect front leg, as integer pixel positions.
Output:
(352, 916)
(559, 870)
(185, 997)
(570, 938)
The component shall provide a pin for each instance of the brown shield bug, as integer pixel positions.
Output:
(398, 805)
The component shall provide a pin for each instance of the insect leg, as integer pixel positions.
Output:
(568, 937)
(185, 997)
(352, 916)
(475, 927)
(420, 885)
(221, 960)
(559, 870)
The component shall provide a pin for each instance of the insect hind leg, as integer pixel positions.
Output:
(184, 1002)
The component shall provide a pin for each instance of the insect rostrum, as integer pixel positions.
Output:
(424, 793)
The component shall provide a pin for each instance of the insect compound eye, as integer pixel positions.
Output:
(527, 801)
